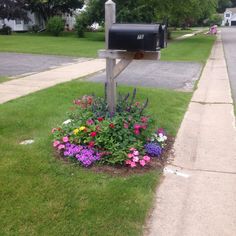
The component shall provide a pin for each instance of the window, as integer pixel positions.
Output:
(227, 15)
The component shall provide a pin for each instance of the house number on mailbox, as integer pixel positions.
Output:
(140, 36)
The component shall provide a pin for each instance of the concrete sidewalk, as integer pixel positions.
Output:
(20, 87)
(198, 194)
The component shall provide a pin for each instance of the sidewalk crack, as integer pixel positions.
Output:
(204, 170)
(213, 103)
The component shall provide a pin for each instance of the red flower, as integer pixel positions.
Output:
(112, 125)
(91, 144)
(100, 119)
(93, 134)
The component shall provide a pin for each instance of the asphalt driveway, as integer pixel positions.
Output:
(159, 74)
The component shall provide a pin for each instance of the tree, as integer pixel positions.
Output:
(12, 9)
(50, 8)
(222, 4)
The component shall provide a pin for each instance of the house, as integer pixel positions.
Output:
(229, 17)
(21, 25)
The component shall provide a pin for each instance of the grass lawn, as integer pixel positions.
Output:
(196, 48)
(68, 44)
(177, 33)
(40, 195)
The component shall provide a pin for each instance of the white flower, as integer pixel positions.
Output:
(66, 122)
(161, 138)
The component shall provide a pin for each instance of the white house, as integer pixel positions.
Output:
(229, 17)
(21, 25)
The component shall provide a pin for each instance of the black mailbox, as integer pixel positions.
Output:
(136, 37)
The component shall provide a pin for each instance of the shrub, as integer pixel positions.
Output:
(55, 25)
(81, 24)
(6, 30)
(92, 134)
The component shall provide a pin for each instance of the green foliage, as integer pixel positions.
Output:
(91, 124)
(215, 20)
(49, 8)
(81, 24)
(6, 30)
(55, 25)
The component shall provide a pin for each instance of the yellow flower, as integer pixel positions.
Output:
(81, 128)
(76, 131)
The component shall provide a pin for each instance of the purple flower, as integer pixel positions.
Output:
(85, 155)
(153, 149)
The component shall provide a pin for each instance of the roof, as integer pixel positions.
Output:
(233, 10)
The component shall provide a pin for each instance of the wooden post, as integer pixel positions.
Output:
(110, 18)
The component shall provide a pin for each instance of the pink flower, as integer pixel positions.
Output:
(53, 130)
(61, 146)
(135, 159)
(144, 127)
(136, 153)
(144, 119)
(130, 155)
(142, 162)
(65, 139)
(132, 149)
(146, 158)
(126, 125)
(89, 122)
(160, 131)
(56, 143)
(128, 162)
(137, 126)
(136, 131)
(132, 164)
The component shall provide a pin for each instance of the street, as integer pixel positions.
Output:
(229, 42)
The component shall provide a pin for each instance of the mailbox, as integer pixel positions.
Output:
(136, 37)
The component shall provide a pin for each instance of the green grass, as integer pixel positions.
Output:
(177, 33)
(40, 195)
(68, 44)
(4, 79)
(196, 48)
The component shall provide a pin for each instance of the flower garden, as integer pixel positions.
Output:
(93, 136)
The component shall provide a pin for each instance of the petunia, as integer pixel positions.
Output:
(82, 128)
(130, 155)
(135, 159)
(75, 131)
(136, 153)
(53, 130)
(61, 146)
(144, 119)
(56, 143)
(112, 125)
(126, 125)
(128, 162)
(137, 126)
(89, 122)
(142, 162)
(136, 131)
(133, 164)
(146, 158)
(132, 149)
(67, 122)
(93, 134)
(100, 119)
(65, 139)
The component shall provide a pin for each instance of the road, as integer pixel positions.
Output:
(15, 64)
(229, 42)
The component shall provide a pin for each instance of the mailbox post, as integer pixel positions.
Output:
(110, 18)
(145, 39)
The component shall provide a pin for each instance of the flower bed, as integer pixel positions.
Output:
(92, 135)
